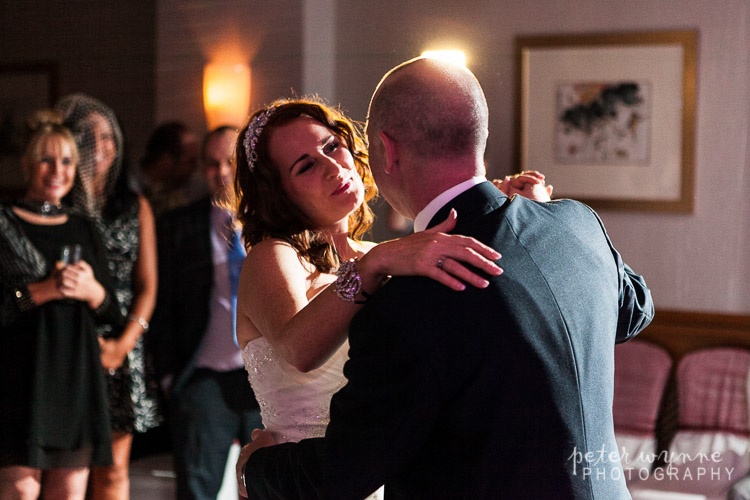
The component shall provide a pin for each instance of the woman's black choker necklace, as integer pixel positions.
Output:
(43, 208)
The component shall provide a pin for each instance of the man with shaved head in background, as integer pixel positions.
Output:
(200, 367)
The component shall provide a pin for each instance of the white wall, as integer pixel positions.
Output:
(266, 35)
(697, 262)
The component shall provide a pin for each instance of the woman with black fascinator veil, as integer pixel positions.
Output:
(126, 226)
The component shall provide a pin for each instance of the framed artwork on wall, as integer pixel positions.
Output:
(610, 118)
(24, 88)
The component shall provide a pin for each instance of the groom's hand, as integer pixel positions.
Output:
(261, 439)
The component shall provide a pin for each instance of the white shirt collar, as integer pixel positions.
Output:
(424, 217)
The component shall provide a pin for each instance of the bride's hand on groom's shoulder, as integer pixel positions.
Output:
(434, 254)
(529, 184)
(261, 439)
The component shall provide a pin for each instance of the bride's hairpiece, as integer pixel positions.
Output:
(253, 133)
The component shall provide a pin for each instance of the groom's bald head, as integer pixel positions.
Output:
(435, 108)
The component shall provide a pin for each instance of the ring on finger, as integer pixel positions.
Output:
(440, 262)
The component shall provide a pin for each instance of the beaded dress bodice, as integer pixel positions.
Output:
(121, 237)
(294, 405)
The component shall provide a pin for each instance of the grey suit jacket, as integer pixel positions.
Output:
(504, 392)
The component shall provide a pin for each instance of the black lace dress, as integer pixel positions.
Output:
(133, 393)
(53, 410)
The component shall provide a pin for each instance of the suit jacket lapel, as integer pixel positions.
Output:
(477, 200)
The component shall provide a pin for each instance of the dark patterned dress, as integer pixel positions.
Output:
(133, 393)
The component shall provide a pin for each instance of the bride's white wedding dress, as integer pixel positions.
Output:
(294, 405)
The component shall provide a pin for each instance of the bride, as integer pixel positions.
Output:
(302, 187)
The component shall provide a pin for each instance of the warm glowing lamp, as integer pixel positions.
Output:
(226, 94)
(454, 56)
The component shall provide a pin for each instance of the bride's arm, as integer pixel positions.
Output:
(273, 296)
(274, 286)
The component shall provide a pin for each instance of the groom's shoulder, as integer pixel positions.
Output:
(557, 213)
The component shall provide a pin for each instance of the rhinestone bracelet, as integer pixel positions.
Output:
(348, 281)
(144, 324)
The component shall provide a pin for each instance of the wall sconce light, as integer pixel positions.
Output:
(454, 56)
(226, 94)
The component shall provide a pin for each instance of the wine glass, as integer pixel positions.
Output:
(70, 254)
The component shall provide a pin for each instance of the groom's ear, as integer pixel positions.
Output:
(391, 151)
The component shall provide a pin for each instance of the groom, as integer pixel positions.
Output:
(503, 392)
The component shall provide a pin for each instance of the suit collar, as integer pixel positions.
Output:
(478, 200)
(422, 220)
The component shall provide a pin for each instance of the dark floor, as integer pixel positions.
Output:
(152, 478)
(152, 474)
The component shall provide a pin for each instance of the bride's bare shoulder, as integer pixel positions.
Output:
(271, 245)
(273, 252)
(368, 245)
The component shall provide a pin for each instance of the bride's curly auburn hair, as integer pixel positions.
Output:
(263, 208)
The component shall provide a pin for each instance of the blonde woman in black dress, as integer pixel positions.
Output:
(54, 291)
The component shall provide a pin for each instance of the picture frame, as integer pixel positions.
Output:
(610, 118)
(24, 88)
